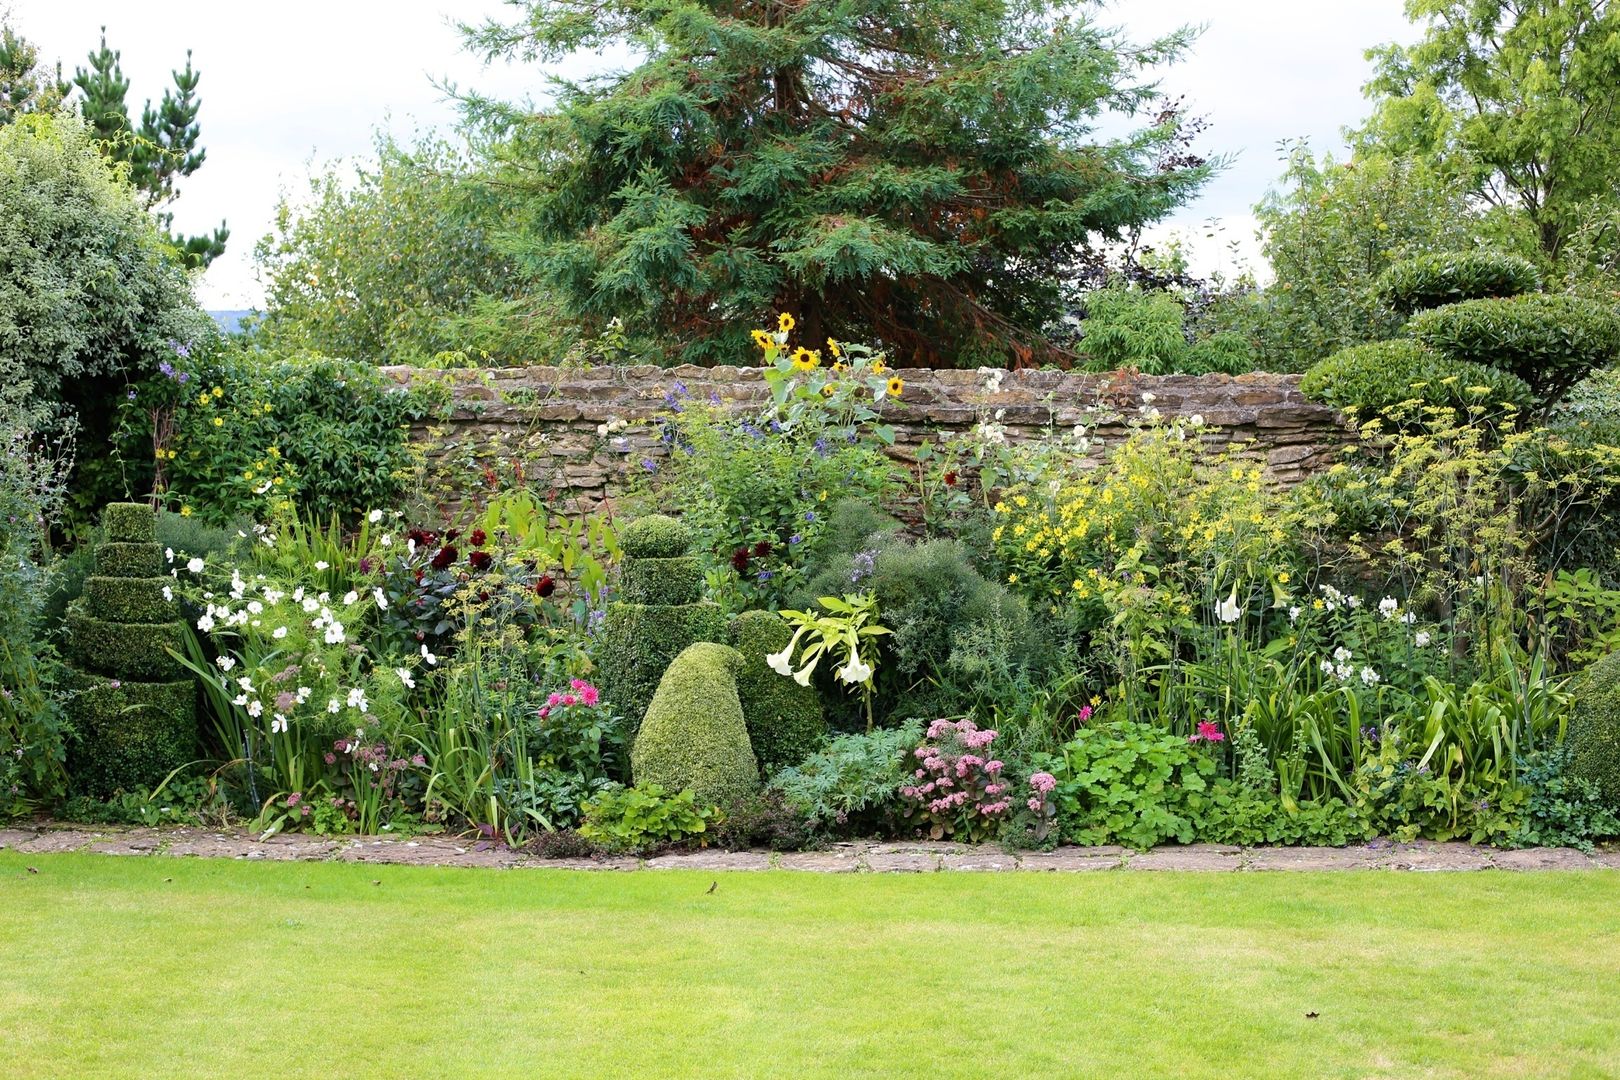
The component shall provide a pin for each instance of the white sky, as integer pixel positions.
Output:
(300, 81)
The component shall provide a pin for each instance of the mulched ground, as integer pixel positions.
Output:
(863, 857)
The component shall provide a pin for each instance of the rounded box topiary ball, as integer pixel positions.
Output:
(655, 537)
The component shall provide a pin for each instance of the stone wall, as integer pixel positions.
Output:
(562, 427)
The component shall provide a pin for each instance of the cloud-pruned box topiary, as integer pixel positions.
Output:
(1428, 281)
(784, 719)
(694, 737)
(659, 613)
(1594, 729)
(1551, 342)
(134, 712)
(1379, 375)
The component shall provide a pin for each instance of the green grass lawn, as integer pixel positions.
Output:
(157, 967)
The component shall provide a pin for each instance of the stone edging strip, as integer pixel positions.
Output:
(859, 857)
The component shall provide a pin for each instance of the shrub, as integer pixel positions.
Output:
(852, 785)
(1431, 280)
(1133, 784)
(764, 819)
(1562, 810)
(134, 718)
(1550, 342)
(1132, 328)
(1225, 353)
(676, 580)
(655, 536)
(784, 719)
(694, 738)
(1376, 377)
(643, 818)
(1594, 729)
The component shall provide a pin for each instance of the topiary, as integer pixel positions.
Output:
(1381, 374)
(784, 719)
(134, 716)
(694, 737)
(1594, 729)
(660, 613)
(1550, 342)
(1428, 281)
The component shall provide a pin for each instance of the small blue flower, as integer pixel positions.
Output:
(649, 464)
(166, 368)
(764, 575)
(132, 395)
(183, 378)
(810, 515)
(821, 447)
(681, 390)
(795, 539)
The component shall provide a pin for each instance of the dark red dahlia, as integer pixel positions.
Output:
(477, 538)
(545, 586)
(446, 558)
(950, 479)
(739, 560)
(480, 560)
(421, 537)
(762, 549)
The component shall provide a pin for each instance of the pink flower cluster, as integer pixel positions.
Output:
(1208, 731)
(958, 790)
(1042, 784)
(580, 693)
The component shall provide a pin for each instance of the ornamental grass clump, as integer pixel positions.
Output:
(133, 709)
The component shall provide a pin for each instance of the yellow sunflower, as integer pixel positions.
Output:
(806, 359)
(896, 385)
(878, 367)
(833, 347)
(762, 339)
(784, 322)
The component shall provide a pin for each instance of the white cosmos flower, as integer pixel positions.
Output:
(334, 634)
(226, 662)
(310, 605)
(350, 597)
(386, 541)
(374, 517)
(278, 723)
(323, 565)
(303, 694)
(357, 699)
(195, 566)
(255, 709)
(429, 657)
(279, 632)
(255, 608)
(239, 700)
(334, 705)
(405, 677)
(168, 594)
(382, 601)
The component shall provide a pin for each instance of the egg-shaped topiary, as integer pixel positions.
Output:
(694, 737)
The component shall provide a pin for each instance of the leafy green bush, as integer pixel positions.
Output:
(128, 735)
(1130, 328)
(1594, 730)
(852, 785)
(1550, 342)
(643, 818)
(677, 580)
(1132, 784)
(784, 719)
(694, 737)
(1430, 280)
(1563, 810)
(1375, 377)
(1224, 353)
(763, 819)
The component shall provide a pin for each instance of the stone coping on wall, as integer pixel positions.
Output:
(920, 856)
(585, 428)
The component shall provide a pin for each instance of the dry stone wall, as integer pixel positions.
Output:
(583, 432)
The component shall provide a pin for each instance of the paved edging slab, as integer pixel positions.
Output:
(854, 857)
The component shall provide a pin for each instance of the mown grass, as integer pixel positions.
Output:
(160, 967)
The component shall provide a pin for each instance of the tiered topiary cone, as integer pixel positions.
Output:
(134, 711)
(660, 612)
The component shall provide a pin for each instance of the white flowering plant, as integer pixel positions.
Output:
(837, 635)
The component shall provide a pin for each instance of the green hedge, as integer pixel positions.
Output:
(1428, 281)
(129, 560)
(128, 734)
(1383, 374)
(1594, 730)
(1551, 342)
(134, 651)
(129, 523)
(639, 641)
(784, 719)
(655, 537)
(694, 738)
(675, 580)
(128, 600)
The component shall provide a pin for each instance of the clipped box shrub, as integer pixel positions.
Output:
(126, 560)
(655, 537)
(128, 734)
(694, 737)
(640, 640)
(1428, 281)
(784, 719)
(674, 580)
(1594, 729)
(1380, 375)
(1551, 342)
(129, 523)
(128, 600)
(134, 713)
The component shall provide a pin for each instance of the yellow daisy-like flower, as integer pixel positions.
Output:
(829, 389)
(896, 386)
(806, 359)
(878, 366)
(219, 421)
(185, 511)
(762, 339)
(833, 347)
(218, 392)
(1012, 579)
(784, 322)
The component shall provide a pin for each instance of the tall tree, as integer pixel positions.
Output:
(24, 87)
(923, 172)
(1517, 96)
(163, 149)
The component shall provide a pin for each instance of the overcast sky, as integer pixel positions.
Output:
(298, 81)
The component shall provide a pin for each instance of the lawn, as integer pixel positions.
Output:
(159, 967)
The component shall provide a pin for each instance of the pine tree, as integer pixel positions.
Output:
(24, 88)
(163, 150)
(925, 173)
